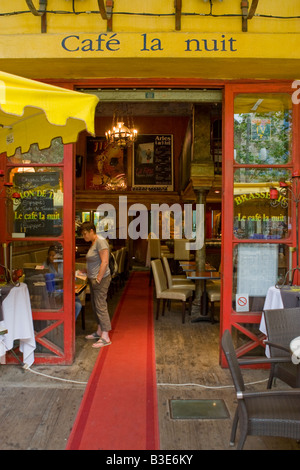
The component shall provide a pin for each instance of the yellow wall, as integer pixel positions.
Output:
(141, 16)
(265, 51)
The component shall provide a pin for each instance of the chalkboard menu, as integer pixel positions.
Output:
(38, 213)
(153, 163)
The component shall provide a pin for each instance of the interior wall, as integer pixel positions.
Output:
(175, 125)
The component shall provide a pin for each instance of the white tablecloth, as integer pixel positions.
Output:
(273, 300)
(17, 319)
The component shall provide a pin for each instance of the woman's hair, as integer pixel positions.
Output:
(52, 248)
(88, 226)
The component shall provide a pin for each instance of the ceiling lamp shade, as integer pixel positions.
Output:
(36, 112)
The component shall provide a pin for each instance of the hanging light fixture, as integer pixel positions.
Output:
(120, 135)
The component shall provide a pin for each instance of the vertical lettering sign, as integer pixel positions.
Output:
(36, 213)
(153, 162)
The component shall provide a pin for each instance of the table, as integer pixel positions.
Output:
(80, 287)
(204, 276)
(295, 350)
(191, 266)
(274, 300)
(17, 319)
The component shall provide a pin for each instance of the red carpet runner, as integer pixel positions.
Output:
(119, 407)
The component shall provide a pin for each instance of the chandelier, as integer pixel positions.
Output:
(120, 135)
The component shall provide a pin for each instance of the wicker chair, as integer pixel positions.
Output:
(162, 291)
(263, 413)
(282, 326)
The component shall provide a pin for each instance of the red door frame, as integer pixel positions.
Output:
(65, 317)
(228, 317)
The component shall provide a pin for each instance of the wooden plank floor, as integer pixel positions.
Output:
(38, 412)
(188, 354)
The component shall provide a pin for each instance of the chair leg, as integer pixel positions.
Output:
(83, 317)
(164, 305)
(234, 427)
(243, 435)
(183, 311)
(150, 276)
(212, 312)
(157, 308)
(190, 305)
(271, 376)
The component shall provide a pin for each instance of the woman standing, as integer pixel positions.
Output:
(98, 274)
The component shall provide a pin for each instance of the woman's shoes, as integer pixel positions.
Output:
(93, 336)
(101, 343)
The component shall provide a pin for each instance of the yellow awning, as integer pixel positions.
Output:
(35, 112)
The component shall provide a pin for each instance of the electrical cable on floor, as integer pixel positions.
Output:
(208, 386)
(25, 367)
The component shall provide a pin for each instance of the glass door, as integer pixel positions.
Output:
(259, 224)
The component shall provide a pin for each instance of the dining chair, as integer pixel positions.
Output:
(121, 266)
(213, 295)
(82, 295)
(283, 325)
(180, 251)
(177, 281)
(156, 251)
(169, 294)
(261, 413)
(82, 298)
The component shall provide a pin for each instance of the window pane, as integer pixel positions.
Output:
(256, 216)
(262, 128)
(39, 210)
(256, 267)
(40, 265)
(53, 154)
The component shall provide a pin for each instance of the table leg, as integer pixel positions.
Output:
(203, 307)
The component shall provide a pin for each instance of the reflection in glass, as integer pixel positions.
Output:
(256, 267)
(42, 270)
(255, 214)
(262, 128)
(39, 210)
(53, 154)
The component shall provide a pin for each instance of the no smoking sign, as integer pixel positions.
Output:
(242, 302)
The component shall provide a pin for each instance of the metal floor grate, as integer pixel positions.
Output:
(198, 409)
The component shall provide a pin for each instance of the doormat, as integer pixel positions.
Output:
(198, 409)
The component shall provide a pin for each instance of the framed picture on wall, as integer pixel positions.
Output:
(105, 165)
(153, 162)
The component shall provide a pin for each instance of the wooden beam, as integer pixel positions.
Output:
(42, 7)
(40, 12)
(178, 8)
(244, 7)
(102, 9)
(109, 9)
(252, 9)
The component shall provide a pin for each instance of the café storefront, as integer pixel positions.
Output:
(218, 77)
